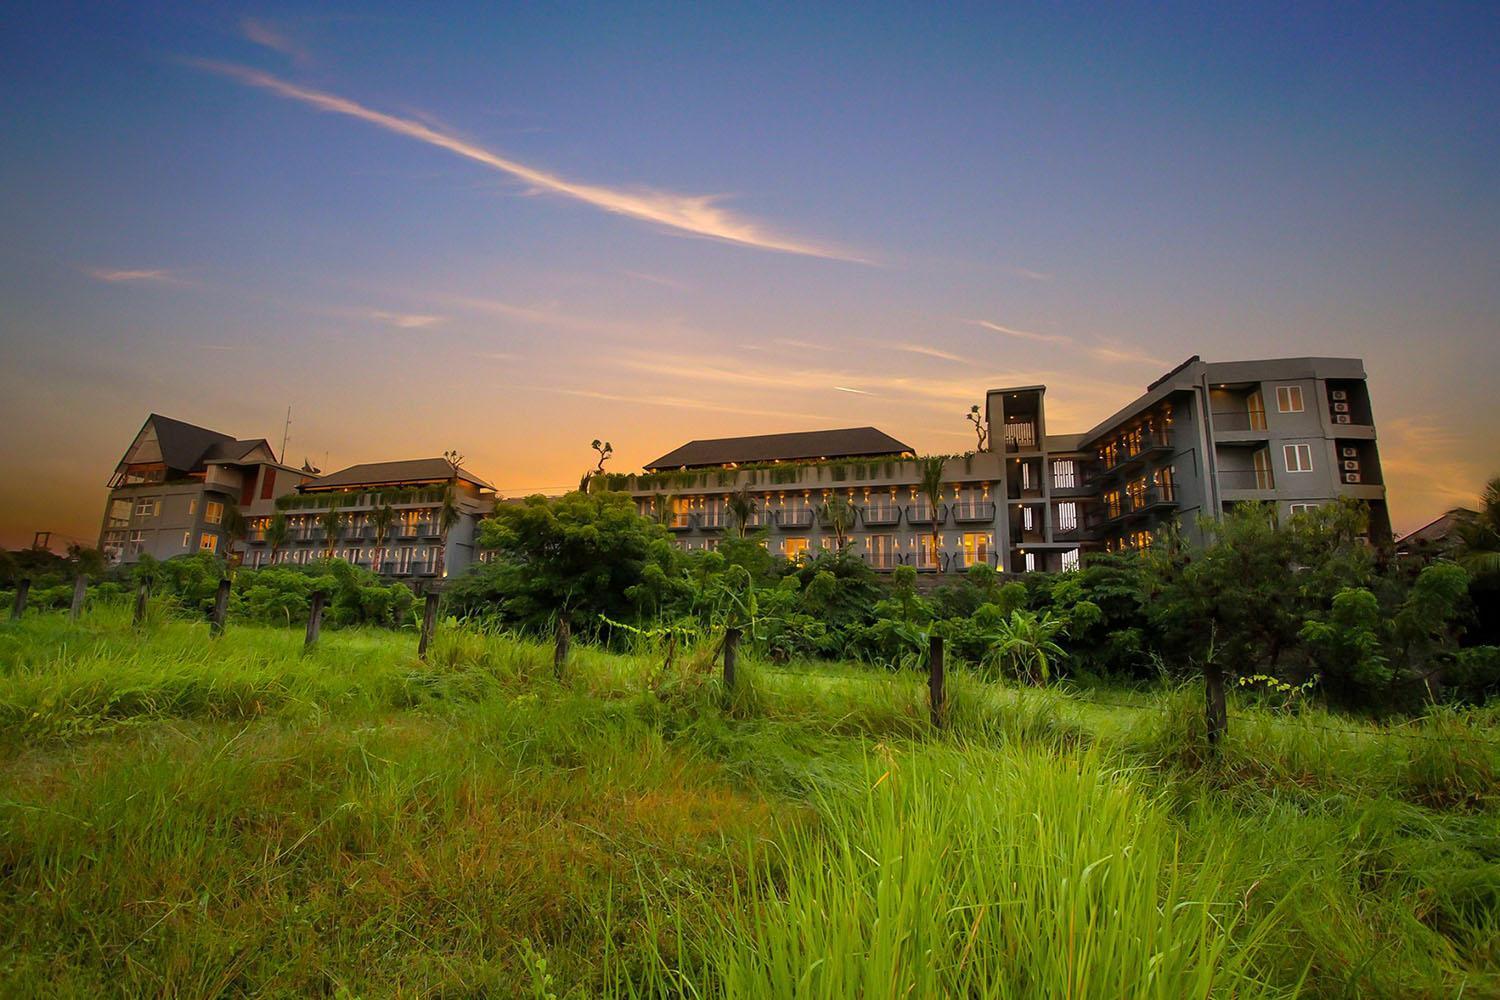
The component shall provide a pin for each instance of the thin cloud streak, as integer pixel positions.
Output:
(265, 35)
(860, 392)
(1048, 338)
(931, 352)
(679, 402)
(116, 275)
(406, 321)
(699, 215)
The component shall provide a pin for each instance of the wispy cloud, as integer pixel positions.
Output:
(115, 275)
(267, 35)
(405, 321)
(801, 345)
(1010, 331)
(1031, 275)
(1124, 354)
(656, 279)
(931, 352)
(698, 215)
(848, 388)
(683, 403)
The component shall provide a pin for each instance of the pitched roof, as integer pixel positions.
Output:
(1437, 529)
(234, 451)
(415, 470)
(847, 442)
(184, 445)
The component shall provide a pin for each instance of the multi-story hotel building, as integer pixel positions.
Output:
(1295, 432)
(416, 545)
(174, 485)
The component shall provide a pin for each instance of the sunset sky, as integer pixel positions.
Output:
(512, 229)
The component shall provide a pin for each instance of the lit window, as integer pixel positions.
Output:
(208, 542)
(1289, 398)
(213, 512)
(192, 506)
(1067, 516)
(1070, 560)
(1298, 457)
(795, 548)
(976, 547)
(1064, 476)
(1255, 406)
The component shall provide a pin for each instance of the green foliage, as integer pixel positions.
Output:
(1025, 645)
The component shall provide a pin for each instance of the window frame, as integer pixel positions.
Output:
(1299, 450)
(1285, 398)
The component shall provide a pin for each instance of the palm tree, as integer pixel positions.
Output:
(234, 528)
(931, 471)
(382, 519)
(276, 532)
(448, 516)
(1025, 644)
(1479, 534)
(838, 514)
(741, 504)
(329, 521)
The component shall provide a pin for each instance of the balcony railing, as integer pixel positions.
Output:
(957, 562)
(973, 512)
(922, 513)
(882, 560)
(1128, 455)
(793, 519)
(1020, 436)
(1247, 479)
(880, 515)
(680, 522)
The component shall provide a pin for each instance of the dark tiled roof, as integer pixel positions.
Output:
(415, 470)
(183, 445)
(848, 442)
(234, 451)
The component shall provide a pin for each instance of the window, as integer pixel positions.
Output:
(147, 507)
(882, 549)
(187, 539)
(926, 559)
(208, 542)
(1031, 562)
(1298, 457)
(1255, 405)
(1067, 516)
(1301, 508)
(192, 506)
(213, 512)
(976, 548)
(119, 513)
(138, 536)
(1289, 398)
(795, 548)
(1263, 478)
(1028, 520)
(1070, 560)
(1064, 475)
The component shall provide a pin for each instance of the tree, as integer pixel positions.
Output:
(1479, 535)
(449, 512)
(581, 556)
(605, 450)
(234, 527)
(932, 470)
(838, 515)
(276, 533)
(329, 521)
(383, 520)
(979, 428)
(741, 504)
(87, 561)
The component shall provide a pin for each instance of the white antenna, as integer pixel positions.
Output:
(285, 436)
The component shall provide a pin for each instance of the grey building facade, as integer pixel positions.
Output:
(174, 486)
(1295, 432)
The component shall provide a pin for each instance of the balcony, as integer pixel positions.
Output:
(882, 516)
(1128, 456)
(1246, 479)
(794, 519)
(680, 522)
(1156, 497)
(922, 514)
(1020, 435)
(958, 562)
(1239, 420)
(883, 561)
(973, 513)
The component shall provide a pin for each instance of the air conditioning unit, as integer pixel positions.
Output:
(1351, 477)
(1350, 451)
(1342, 418)
(1340, 407)
(1351, 465)
(1338, 394)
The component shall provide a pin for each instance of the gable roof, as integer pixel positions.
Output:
(847, 442)
(414, 470)
(182, 444)
(237, 451)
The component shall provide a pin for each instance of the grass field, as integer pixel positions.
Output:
(189, 817)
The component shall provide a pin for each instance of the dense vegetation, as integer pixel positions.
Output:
(181, 815)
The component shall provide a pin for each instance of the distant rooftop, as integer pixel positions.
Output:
(410, 471)
(848, 442)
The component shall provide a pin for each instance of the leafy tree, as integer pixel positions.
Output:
(1479, 535)
(234, 527)
(448, 516)
(741, 505)
(1349, 643)
(88, 561)
(838, 514)
(329, 521)
(581, 555)
(1025, 645)
(605, 450)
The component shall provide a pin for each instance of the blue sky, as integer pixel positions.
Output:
(510, 230)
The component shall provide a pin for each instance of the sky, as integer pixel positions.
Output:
(511, 229)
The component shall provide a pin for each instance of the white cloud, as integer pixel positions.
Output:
(115, 275)
(1010, 331)
(699, 215)
(405, 321)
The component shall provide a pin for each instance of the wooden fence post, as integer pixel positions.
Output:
(429, 623)
(560, 651)
(221, 608)
(23, 587)
(936, 694)
(731, 654)
(142, 593)
(1217, 710)
(314, 619)
(80, 589)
